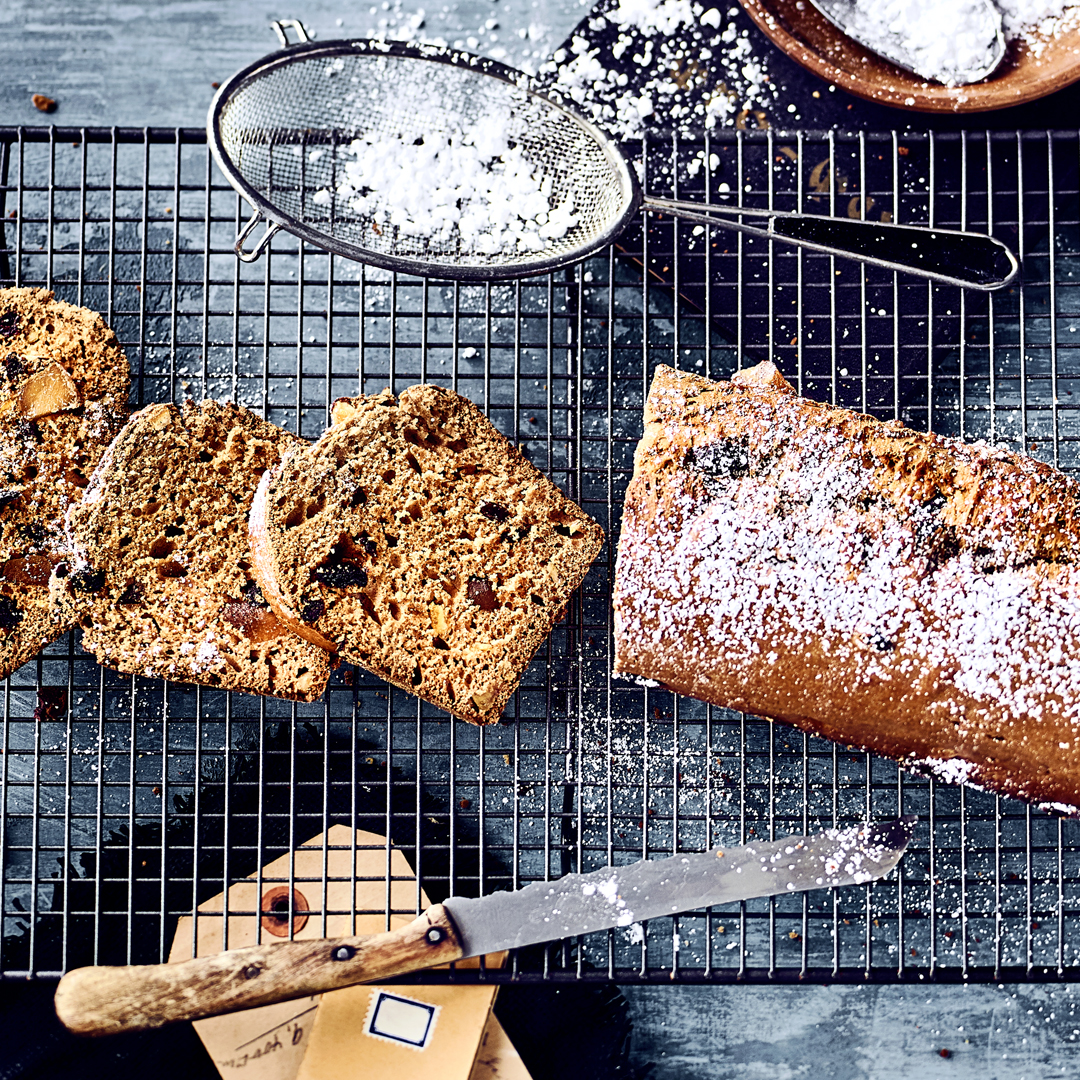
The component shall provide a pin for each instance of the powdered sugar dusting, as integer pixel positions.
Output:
(475, 189)
(791, 561)
(609, 891)
(952, 771)
(677, 42)
(1038, 21)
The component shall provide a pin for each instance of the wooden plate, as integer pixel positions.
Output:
(798, 28)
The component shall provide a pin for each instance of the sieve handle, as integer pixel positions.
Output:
(973, 260)
(241, 238)
(969, 259)
(109, 1000)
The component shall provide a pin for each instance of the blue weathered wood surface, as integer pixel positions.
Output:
(137, 64)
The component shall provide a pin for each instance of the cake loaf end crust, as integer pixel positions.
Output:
(888, 589)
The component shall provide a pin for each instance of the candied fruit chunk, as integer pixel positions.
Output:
(256, 623)
(51, 390)
(88, 579)
(9, 613)
(29, 569)
(485, 698)
(494, 512)
(480, 592)
(439, 621)
(343, 409)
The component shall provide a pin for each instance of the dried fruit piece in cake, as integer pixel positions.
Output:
(417, 542)
(897, 591)
(161, 575)
(64, 384)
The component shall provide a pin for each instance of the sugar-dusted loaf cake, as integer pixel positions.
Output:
(63, 395)
(896, 591)
(161, 577)
(415, 541)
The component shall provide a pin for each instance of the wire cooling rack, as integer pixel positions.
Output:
(126, 802)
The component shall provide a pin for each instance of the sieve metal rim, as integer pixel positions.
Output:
(269, 211)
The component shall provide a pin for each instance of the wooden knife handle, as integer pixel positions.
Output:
(107, 1000)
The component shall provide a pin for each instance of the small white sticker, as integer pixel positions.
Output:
(401, 1020)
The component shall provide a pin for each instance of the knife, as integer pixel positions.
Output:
(107, 1000)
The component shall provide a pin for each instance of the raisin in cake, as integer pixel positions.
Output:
(63, 395)
(896, 591)
(414, 540)
(161, 576)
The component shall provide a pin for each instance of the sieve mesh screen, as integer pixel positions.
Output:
(287, 128)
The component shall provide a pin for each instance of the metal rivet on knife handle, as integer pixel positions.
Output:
(108, 1000)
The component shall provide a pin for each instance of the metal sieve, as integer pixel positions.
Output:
(281, 131)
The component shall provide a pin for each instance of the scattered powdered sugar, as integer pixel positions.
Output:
(648, 684)
(609, 891)
(523, 44)
(474, 192)
(767, 568)
(1038, 21)
(849, 864)
(858, 854)
(655, 16)
(676, 45)
(686, 66)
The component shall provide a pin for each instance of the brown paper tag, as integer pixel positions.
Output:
(271, 1042)
(497, 1058)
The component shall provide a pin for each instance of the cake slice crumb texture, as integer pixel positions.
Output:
(415, 540)
(64, 384)
(161, 578)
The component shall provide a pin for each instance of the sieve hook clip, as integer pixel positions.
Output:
(281, 26)
(253, 255)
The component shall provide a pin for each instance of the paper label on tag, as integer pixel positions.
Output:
(364, 1032)
(401, 1020)
(269, 1043)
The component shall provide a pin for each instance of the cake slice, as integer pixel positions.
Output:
(901, 592)
(161, 577)
(63, 395)
(415, 541)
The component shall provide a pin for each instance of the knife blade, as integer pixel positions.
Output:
(108, 1000)
(650, 888)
